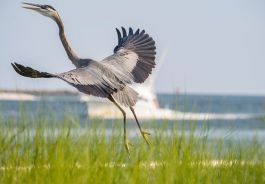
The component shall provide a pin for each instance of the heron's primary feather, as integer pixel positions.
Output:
(134, 56)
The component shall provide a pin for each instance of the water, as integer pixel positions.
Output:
(56, 107)
(214, 103)
(250, 105)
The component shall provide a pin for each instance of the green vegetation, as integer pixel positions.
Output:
(35, 151)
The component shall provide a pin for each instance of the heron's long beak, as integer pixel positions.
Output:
(31, 6)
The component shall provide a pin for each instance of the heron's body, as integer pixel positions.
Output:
(132, 61)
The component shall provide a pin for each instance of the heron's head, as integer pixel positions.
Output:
(45, 10)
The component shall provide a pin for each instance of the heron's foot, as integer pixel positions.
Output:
(146, 137)
(127, 145)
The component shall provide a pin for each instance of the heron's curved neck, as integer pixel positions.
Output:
(71, 54)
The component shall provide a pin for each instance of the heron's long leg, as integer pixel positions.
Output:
(144, 133)
(126, 142)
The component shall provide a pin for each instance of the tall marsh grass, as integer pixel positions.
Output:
(37, 151)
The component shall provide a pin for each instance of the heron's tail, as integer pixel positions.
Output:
(127, 96)
(30, 72)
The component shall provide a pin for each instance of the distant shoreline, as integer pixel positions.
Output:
(40, 92)
(47, 92)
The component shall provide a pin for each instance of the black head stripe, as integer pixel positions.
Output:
(47, 6)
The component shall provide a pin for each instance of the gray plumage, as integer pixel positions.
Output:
(132, 61)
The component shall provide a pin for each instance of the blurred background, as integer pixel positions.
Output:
(204, 104)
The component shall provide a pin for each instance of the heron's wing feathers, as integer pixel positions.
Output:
(134, 56)
(90, 81)
(30, 72)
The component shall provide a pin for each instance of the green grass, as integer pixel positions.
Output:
(34, 151)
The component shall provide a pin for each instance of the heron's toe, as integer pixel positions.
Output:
(127, 145)
(146, 137)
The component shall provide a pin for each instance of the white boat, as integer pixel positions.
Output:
(147, 106)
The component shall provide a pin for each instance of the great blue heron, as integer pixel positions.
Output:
(132, 61)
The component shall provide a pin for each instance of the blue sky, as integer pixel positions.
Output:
(214, 47)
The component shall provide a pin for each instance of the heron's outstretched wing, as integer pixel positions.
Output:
(88, 80)
(134, 56)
